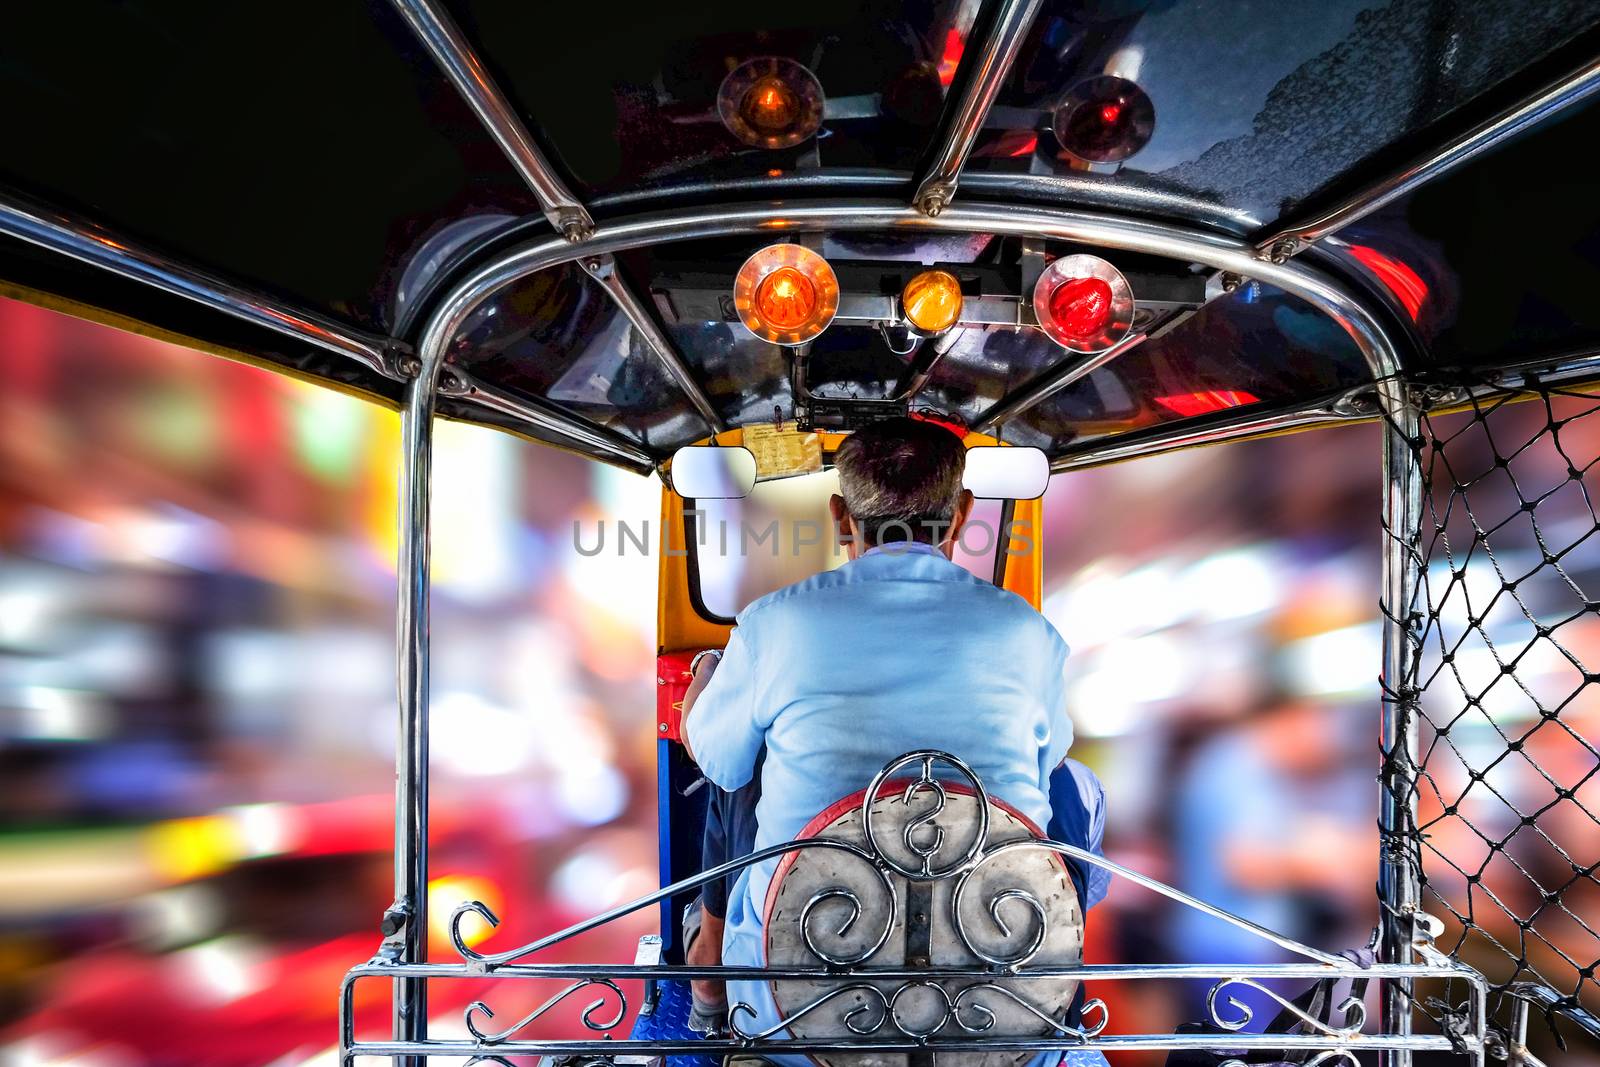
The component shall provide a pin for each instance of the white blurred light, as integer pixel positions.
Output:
(223, 969)
(1125, 679)
(172, 535)
(50, 1050)
(595, 878)
(475, 504)
(1105, 605)
(25, 614)
(592, 795)
(1232, 585)
(471, 736)
(49, 714)
(620, 580)
(177, 916)
(269, 829)
(1343, 661)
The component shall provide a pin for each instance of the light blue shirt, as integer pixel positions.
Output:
(836, 675)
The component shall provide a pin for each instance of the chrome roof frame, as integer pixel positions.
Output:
(989, 64)
(1226, 254)
(1257, 257)
(561, 206)
(1289, 237)
(98, 247)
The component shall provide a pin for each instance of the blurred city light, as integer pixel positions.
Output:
(197, 703)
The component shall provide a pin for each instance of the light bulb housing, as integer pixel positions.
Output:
(770, 102)
(1104, 120)
(786, 294)
(1083, 303)
(931, 302)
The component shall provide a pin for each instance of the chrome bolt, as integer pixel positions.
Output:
(1283, 250)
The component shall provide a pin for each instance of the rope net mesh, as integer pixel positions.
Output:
(1503, 678)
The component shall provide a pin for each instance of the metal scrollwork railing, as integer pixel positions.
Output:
(930, 1006)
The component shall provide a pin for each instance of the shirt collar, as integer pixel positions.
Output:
(903, 548)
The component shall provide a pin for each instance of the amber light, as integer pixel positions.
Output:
(932, 301)
(770, 105)
(1083, 303)
(770, 102)
(785, 298)
(786, 294)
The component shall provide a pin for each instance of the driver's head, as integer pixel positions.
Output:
(900, 480)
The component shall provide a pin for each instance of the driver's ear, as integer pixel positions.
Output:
(841, 519)
(963, 512)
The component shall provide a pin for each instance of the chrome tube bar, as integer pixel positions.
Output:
(1399, 870)
(409, 943)
(597, 440)
(1096, 972)
(453, 53)
(1106, 231)
(1051, 382)
(604, 270)
(89, 244)
(1358, 405)
(466, 1047)
(990, 59)
(1285, 239)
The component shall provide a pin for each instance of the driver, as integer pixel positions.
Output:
(827, 680)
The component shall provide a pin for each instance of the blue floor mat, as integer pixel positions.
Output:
(670, 1022)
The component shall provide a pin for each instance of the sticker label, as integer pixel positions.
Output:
(783, 451)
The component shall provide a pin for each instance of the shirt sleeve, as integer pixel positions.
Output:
(724, 729)
(1078, 817)
(1058, 724)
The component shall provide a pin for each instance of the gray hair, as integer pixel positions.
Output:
(900, 479)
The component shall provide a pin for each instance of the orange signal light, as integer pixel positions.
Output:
(770, 102)
(932, 301)
(770, 105)
(786, 294)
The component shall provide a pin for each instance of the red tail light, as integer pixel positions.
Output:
(1083, 303)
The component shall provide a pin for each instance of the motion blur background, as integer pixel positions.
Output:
(196, 696)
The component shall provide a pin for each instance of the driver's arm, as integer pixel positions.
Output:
(697, 685)
(724, 725)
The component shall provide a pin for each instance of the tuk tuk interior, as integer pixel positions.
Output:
(539, 219)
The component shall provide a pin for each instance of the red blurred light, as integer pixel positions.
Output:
(1206, 400)
(1110, 113)
(1081, 307)
(947, 422)
(951, 59)
(1406, 285)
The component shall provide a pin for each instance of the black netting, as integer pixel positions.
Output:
(1507, 777)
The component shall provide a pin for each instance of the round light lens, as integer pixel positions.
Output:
(932, 301)
(1081, 307)
(786, 294)
(1105, 119)
(770, 106)
(1083, 303)
(785, 298)
(770, 102)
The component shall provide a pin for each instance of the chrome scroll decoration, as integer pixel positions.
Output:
(478, 1007)
(912, 834)
(1355, 1012)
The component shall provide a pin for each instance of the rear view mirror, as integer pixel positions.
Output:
(713, 472)
(997, 472)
